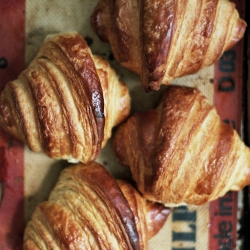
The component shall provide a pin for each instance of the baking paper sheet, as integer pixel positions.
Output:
(187, 228)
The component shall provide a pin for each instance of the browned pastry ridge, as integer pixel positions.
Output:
(165, 39)
(66, 102)
(89, 209)
(181, 152)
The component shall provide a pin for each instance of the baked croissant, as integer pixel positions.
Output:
(181, 152)
(89, 209)
(165, 39)
(66, 102)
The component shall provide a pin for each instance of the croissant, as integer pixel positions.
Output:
(181, 152)
(66, 102)
(89, 209)
(162, 40)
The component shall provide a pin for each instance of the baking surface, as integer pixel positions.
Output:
(41, 173)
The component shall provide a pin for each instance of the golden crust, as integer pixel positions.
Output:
(66, 102)
(126, 47)
(88, 209)
(158, 20)
(165, 39)
(181, 152)
(149, 216)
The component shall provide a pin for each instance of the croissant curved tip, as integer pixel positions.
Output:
(239, 29)
(98, 24)
(120, 147)
(243, 181)
(237, 33)
(154, 86)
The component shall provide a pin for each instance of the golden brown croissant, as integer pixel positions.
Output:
(66, 102)
(181, 152)
(89, 209)
(165, 39)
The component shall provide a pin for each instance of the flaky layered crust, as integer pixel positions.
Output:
(88, 209)
(165, 39)
(181, 152)
(149, 216)
(66, 102)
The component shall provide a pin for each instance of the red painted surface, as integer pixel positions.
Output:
(228, 101)
(223, 222)
(12, 207)
(12, 48)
